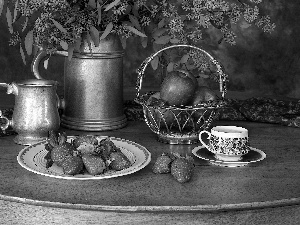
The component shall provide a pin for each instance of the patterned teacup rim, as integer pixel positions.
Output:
(229, 131)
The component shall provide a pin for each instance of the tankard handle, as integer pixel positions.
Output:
(36, 62)
(35, 69)
(39, 57)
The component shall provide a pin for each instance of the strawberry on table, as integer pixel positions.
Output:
(182, 168)
(162, 164)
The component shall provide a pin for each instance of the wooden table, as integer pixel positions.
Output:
(266, 192)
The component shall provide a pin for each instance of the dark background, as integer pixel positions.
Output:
(260, 63)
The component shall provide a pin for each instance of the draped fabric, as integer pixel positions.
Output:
(261, 109)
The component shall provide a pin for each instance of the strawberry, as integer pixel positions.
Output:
(85, 139)
(162, 164)
(60, 147)
(72, 165)
(87, 148)
(105, 148)
(47, 157)
(118, 161)
(182, 168)
(59, 153)
(94, 164)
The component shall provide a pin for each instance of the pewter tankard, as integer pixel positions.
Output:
(35, 110)
(93, 86)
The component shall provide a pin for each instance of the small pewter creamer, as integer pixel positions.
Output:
(35, 110)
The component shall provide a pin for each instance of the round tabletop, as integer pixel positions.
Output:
(274, 181)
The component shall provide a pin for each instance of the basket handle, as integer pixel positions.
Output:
(143, 66)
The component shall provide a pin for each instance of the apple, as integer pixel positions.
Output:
(164, 114)
(203, 94)
(154, 99)
(178, 88)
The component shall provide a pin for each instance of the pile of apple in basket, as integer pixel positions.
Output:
(180, 88)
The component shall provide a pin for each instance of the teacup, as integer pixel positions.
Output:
(228, 143)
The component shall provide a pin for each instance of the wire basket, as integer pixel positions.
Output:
(180, 125)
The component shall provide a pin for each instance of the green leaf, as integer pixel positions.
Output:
(59, 26)
(71, 51)
(170, 67)
(144, 41)
(25, 24)
(77, 45)
(1, 6)
(161, 23)
(123, 42)
(135, 9)
(92, 3)
(174, 41)
(159, 32)
(111, 5)
(107, 30)
(16, 10)
(35, 50)
(185, 58)
(190, 66)
(154, 62)
(29, 42)
(99, 13)
(204, 75)
(156, 47)
(163, 40)
(70, 20)
(64, 45)
(9, 20)
(89, 41)
(135, 31)
(95, 35)
(135, 22)
(22, 54)
(245, 25)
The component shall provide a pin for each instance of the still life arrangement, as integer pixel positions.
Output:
(93, 33)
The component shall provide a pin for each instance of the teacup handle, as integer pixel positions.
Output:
(200, 138)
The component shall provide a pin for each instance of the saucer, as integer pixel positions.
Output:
(254, 155)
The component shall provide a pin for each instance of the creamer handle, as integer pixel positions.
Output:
(7, 122)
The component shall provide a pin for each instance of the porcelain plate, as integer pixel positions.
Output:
(32, 159)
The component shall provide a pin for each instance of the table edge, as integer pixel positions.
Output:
(161, 209)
